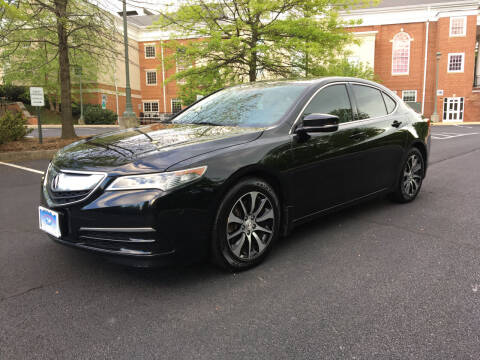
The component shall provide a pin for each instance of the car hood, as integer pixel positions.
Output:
(150, 148)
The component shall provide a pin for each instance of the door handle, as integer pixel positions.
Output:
(396, 123)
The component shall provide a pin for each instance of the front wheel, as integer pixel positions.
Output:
(246, 226)
(411, 177)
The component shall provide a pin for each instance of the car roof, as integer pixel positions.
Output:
(317, 82)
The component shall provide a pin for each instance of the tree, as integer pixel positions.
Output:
(39, 66)
(47, 31)
(7, 9)
(343, 67)
(248, 40)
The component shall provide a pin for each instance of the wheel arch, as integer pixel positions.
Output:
(272, 178)
(423, 150)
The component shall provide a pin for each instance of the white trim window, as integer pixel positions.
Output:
(409, 95)
(453, 108)
(150, 106)
(456, 62)
(151, 77)
(150, 51)
(401, 54)
(176, 105)
(458, 26)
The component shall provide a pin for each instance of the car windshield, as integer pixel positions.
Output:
(253, 105)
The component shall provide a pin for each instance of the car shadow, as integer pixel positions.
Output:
(298, 241)
(309, 231)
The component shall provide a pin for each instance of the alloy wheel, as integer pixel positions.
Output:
(412, 175)
(250, 225)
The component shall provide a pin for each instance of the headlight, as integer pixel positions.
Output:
(163, 181)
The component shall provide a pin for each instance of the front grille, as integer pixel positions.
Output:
(64, 197)
(65, 187)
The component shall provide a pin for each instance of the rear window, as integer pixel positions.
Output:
(389, 102)
(370, 102)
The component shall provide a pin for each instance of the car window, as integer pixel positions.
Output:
(389, 102)
(332, 100)
(249, 105)
(370, 102)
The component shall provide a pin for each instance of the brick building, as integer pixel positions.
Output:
(408, 35)
(398, 38)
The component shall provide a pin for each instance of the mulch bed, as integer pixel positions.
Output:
(32, 144)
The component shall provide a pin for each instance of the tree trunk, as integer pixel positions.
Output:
(49, 94)
(252, 71)
(252, 64)
(68, 130)
(50, 102)
(57, 103)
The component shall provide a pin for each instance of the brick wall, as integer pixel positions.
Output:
(155, 92)
(453, 84)
(457, 84)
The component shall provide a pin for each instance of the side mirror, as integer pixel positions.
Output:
(314, 123)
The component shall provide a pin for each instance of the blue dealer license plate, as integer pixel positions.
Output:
(48, 220)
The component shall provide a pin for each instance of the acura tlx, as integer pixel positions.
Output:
(234, 171)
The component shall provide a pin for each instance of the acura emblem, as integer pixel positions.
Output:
(55, 182)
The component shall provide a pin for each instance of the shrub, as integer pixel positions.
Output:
(15, 93)
(12, 127)
(76, 109)
(94, 114)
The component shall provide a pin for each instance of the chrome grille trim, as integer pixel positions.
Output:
(130, 240)
(142, 229)
(84, 196)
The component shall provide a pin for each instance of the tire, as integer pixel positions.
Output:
(242, 238)
(409, 182)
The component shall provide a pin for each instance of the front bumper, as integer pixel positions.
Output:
(124, 258)
(138, 227)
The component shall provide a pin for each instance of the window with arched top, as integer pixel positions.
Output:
(401, 54)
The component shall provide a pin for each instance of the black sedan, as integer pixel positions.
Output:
(234, 171)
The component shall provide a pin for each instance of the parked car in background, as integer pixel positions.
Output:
(234, 171)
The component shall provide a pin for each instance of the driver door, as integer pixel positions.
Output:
(327, 165)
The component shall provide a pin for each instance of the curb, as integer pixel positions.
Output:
(55, 126)
(10, 156)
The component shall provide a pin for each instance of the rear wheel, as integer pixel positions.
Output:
(247, 225)
(411, 177)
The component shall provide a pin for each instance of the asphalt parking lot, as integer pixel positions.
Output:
(376, 281)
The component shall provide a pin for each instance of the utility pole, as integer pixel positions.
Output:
(128, 119)
(435, 117)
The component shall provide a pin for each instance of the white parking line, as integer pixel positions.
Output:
(444, 136)
(23, 168)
